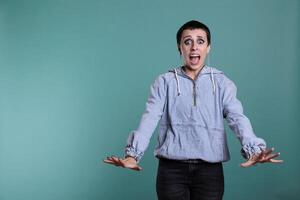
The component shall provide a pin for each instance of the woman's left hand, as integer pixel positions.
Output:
(264, 157)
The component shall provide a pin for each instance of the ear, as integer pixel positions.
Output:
(208, 49)
(178, 46)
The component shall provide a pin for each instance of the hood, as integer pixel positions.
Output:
(205, 70)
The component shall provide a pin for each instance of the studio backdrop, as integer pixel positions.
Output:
(75, 76)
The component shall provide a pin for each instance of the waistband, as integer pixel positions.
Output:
(188, 161)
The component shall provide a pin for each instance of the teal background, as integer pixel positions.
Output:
(75, 76)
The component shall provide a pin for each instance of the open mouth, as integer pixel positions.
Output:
(194, 59)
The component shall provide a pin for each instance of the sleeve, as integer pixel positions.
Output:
(138, 140)
(239, 123)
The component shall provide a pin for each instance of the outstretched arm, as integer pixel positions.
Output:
(254, 149)
(138, 140)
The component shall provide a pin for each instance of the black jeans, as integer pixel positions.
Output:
(178, 180)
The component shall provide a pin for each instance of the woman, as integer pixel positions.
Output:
(191, 102)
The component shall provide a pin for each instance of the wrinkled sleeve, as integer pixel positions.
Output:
(239, 123)
(138, 140)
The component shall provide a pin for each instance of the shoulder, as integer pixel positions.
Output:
(221, 78)
(162, 80)
(165, 77)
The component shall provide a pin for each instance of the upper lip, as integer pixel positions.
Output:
(194, 54)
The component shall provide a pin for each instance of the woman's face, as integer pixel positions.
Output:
(194, 48)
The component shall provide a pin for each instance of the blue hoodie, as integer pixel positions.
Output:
(191, 115)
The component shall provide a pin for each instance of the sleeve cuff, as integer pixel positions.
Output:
(251, 149)
(130, 151)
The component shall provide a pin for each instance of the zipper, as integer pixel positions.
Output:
(194, 93)
(194, 88)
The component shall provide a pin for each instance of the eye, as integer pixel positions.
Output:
(200, 41)
(188, 42)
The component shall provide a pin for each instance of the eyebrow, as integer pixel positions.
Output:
(188, 36)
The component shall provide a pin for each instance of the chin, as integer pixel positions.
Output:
(194, 67)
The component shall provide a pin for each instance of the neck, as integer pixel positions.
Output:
(192, 73)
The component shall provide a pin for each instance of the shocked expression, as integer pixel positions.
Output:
(194, 47)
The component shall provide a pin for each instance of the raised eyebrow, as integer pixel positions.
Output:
(188, 36)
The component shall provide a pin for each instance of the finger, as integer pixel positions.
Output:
(137, 168)
(109, 158)
(114, 158)
(117, 161)
(271, 156)
(108, 161)
(276, 161)
(268, 151)
(248, 163)
(263, 156)
(121, 162)
(267, 158)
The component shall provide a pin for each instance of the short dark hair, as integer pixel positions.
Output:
(193, 24)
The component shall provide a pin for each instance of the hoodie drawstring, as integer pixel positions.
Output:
(177, 82)
(211, 76)
(212, 80)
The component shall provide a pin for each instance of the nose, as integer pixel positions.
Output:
(194, 46)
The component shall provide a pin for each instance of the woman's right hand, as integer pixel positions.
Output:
(128, 162)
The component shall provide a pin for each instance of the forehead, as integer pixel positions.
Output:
(194, 33)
